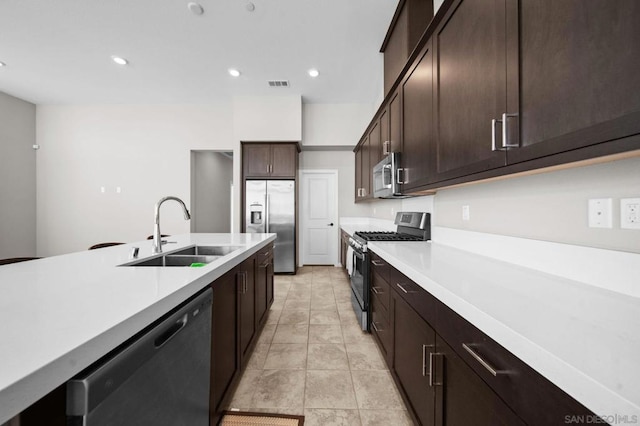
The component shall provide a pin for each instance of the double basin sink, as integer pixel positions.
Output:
(193, 256)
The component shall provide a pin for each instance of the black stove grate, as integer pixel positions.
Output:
(387, 236)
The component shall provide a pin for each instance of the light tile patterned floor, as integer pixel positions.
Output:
(313, 359)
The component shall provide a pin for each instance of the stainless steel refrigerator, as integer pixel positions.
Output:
(270, 206)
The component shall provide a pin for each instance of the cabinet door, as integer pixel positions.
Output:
(246, 284)
(224, 339)
(471, 78)
(395, 123)
(270, 280)
(418, 134)
(261, 288)
(462, 397)
(367, 174)
(283, 160)
(579, 75)
(358, 176)
(375, 144)
(413, 340)
(384, 132)
(256, 160)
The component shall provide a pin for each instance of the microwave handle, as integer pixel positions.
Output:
(398, 171)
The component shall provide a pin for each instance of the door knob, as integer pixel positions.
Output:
(331, 224)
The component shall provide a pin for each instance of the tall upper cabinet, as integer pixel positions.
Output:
(270, 160)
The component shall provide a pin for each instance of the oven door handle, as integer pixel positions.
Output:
(358, 255)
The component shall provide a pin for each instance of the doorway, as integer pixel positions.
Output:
(212, 191)
(319, 217)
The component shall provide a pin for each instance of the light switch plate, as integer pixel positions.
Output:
(600, 213)
(466, 214)
(630, 213)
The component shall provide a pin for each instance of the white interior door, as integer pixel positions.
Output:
(319, 217)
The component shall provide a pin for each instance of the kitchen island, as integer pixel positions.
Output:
(63, 313)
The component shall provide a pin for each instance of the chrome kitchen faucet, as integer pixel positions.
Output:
(157, 239)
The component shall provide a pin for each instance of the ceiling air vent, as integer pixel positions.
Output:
(279, 83)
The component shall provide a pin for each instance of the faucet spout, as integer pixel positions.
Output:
(157, 239)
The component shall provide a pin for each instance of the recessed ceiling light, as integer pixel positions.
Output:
(2, 64)
(251, 7)
(120, 61)
(234, 72)
(195, 8)
(314, 72)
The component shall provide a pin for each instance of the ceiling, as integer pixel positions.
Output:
(59, 51)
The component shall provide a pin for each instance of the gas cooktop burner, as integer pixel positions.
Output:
(387, 236)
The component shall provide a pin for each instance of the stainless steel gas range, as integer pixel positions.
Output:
(412, 226)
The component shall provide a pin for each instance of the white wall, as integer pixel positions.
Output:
(144, 150)
(326, 125)
(273, 118)
(549, 206)
(211, 179)
(17, 177)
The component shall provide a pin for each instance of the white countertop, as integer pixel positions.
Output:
(584, 339)
(61, 314)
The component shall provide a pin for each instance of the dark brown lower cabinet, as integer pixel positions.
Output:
(414, 339)
(247, 291)
(451, 373)
(264, 283)
(462, 397)
(224, 340)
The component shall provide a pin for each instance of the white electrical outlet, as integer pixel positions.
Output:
(630, 213)
(600, 213)
(466, 213)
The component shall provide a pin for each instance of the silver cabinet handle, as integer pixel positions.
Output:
(505, 144)
(491, 369)
(375, 290)
(377, 263)
(385, 147)
(432, 381)
(364, 192)
(404, 289)
(493, 134)
(375, 327)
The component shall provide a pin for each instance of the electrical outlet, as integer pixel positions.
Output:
(600, 213)
(630, 213)
(466, 213)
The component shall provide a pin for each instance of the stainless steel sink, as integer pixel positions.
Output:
(207, 250)
(173, 260)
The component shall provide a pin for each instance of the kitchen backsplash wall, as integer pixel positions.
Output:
(17, 177)
(549, 206)
(387, 208)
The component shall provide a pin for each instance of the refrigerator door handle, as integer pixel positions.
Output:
(266, 211)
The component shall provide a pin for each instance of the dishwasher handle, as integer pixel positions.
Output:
(171, 331)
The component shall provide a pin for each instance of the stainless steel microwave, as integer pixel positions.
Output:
(386, 177)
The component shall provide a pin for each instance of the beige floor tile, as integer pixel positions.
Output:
(291, 333)
(327, 356)
(375, 390)
(299, 295)
(323, 304)
(352, 333)
(384, 418)
(258, 357)
(322, 289)
(280, 389)
(365, 356)
(274, 316)
(297, 304)
(300, 286)
(292, 411)
(324, 317)
(286, 356)
(324, 333)
(329, 417)
(329, 389)
(294, 316)
(244, 392)
(267, 334)
(348, 317)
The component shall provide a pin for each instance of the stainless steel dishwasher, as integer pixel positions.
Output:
(161, 378)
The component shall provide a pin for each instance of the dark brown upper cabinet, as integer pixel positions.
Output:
(579, 79)
(363, 169)
(474, 87)
(417, 157)
(391, 125)
(375, 144)
(270, 160)
(407, 25)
